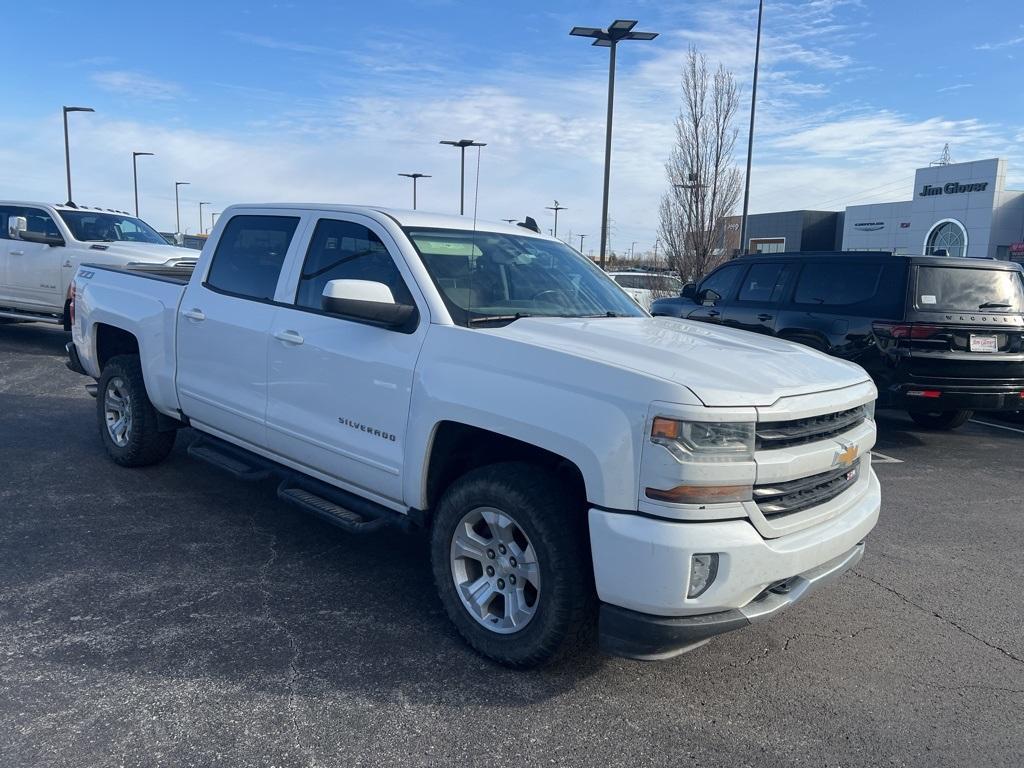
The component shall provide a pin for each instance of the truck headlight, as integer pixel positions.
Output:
(705, 441)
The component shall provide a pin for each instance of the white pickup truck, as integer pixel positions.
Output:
(42, 245)
(569, 454)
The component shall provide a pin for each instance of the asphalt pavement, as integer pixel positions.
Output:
(174, 616)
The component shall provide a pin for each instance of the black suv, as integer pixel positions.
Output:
(942, 337)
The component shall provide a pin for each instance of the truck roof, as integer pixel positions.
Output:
(404, 218)
(64, 207)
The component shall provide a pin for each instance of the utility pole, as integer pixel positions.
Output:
(556, 208)
(750, 135)
(177, 209)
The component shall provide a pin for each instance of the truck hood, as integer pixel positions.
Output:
(143, 253)
(721, 366)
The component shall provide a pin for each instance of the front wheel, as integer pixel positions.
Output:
(511, 565)
(940, 419)
(127, 419)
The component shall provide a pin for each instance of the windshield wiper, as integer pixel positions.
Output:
(498, 318)
(994, 305)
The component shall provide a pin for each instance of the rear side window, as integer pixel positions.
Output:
(249, 256)
(761, 282)
(344, 250)
(836, 284)
(723, 281)
(953, 289)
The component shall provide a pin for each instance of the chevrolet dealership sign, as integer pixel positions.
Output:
(952, 188)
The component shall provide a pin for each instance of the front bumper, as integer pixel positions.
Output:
(623, 632)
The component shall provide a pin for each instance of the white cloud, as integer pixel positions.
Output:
(1001, 44)
(957, 87)
(137, 85)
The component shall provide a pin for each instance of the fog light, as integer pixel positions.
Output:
(703, 569)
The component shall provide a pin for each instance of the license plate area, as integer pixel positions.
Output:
(983, 343)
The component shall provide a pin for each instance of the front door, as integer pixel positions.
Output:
(757, 301)
(224, 326)
(33, 271)
(721, 282)
(340, 388)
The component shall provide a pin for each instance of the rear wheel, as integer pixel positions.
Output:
(509, 555)
(126, 418)
(940, 419)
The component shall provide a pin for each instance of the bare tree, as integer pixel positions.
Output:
(704, 184)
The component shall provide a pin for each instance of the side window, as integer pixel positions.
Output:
(626, 281)
(837, 284)
(343, 250)
(249, 256)
(39, 220)
(760, 283)
(723, 281)
(6, 211)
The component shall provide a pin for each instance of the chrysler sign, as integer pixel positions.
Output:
(869, 226)
(952, 188)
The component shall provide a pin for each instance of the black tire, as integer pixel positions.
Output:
(940, 419)
(554, 521)
(144, 443)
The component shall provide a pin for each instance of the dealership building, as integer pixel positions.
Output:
(959, 209)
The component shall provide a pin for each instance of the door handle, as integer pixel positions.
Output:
(289, 337)
(764, 317)
(714, 313)
(194, 314)
(17, 253)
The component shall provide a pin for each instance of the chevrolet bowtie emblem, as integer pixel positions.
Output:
(846, 454)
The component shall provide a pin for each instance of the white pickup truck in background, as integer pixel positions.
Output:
(42, 245)
(569, 454)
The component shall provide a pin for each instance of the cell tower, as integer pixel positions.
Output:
(944, 158)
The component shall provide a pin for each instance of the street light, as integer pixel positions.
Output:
(556, 208)
(462, 144)
(581, 243)
(177, 209)
(415, 177)
(620, 29)
(201, 230)
(213, 219)
(750, 135)
(135, 178)
(67, 148)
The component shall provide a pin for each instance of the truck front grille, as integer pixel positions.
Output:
(782, 434)
(775, 499)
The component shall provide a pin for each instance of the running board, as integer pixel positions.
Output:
(297, 494)
(10, 314)
(236, 462)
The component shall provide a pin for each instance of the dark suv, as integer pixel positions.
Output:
(942, 337)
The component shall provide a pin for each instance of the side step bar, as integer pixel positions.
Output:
(298, 494)
(236, 462)
(12, 314)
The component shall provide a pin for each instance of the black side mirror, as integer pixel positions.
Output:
(689, 291)
(40, 237)
(709, 297)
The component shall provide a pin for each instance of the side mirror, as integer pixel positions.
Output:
(365, 300)
(689, 291)
(17, 229)
(709, 297)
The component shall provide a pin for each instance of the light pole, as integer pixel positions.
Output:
(67, 147)
(201, 230)
(581, 243)
(462, 144)
(750, 135)
(632, 251)
(620, 29)
(135, 178)
(556, 208)
(177, 209)
(213, 219)
(415, 177)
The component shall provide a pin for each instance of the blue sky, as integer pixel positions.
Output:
(320, 101)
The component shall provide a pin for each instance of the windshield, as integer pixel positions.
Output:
(968, 290)
(487, 277)
(96, 227)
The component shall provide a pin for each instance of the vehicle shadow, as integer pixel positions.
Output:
(33, 339)
(180, 572)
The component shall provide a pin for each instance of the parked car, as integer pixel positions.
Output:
(569, 454)
(42, 245)
(645, 287)
(942, 337)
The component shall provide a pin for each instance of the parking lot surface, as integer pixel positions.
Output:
(175, 616)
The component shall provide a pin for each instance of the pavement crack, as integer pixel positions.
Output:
(940, 617)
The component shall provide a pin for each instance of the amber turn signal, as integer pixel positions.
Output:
(702, 494)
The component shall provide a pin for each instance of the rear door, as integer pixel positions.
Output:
(722, 282)
(758, 298)
(966, 322)
(224, 324)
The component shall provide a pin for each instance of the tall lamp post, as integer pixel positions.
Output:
(201, 230)
(462, 144)
(415, 177)
(581, 243)
(213, 219)
(556, 208)
(750, 135)
(67, 146)
(135, 177)
(177, 208)
(620, 29)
